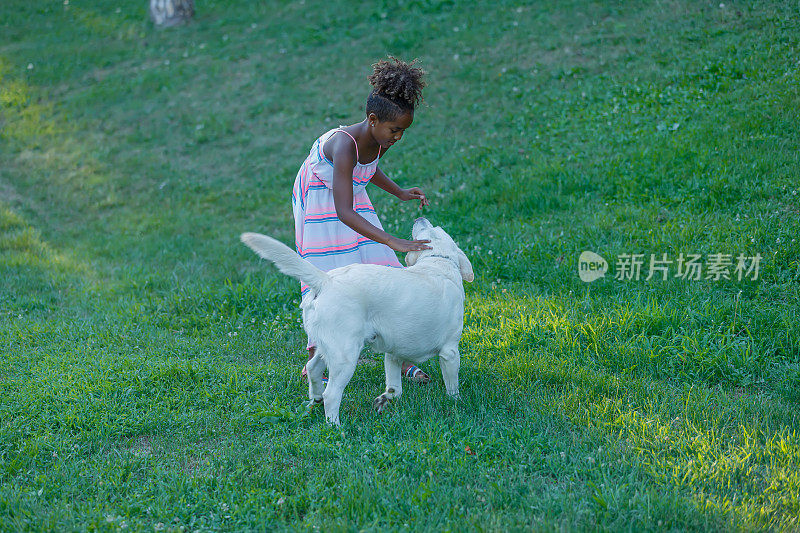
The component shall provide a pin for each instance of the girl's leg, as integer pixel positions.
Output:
(415, 374)
(312, 350)
(316, 379)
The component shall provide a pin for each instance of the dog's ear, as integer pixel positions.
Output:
(411, 258)
(465, 267)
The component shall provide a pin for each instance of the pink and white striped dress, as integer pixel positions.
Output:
(320, 237)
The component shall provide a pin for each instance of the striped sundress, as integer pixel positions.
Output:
(320, 237)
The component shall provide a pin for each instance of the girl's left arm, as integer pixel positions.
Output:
(415, 193)
(382, 180)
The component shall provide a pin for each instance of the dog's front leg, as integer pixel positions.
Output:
(450, 361)
(394, 387)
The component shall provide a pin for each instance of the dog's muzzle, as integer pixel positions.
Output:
(420, 224)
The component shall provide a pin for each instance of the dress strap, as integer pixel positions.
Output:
(354, 141)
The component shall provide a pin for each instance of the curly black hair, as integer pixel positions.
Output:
(396, 88)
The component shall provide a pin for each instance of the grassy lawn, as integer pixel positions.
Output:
(149, 377)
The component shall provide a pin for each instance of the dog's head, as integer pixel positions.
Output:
(442, 245)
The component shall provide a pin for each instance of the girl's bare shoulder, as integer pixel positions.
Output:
(340, 149)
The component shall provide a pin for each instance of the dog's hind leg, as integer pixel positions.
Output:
(341, 366)
(449, 362)
(394, 387)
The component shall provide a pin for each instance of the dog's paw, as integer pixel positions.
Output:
(454, 395)
(380, 402)
(311, 404)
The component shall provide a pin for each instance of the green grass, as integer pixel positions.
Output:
(149, 377)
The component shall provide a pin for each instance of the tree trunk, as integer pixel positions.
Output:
(171, 12)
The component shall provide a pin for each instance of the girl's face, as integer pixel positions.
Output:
(388, 132)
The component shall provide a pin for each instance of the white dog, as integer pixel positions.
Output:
(411, 313)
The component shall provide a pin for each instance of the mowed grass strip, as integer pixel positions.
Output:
(150, 363)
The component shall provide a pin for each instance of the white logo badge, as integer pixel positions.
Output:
(591, 266)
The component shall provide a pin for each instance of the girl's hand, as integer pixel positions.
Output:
(403, 246)
(414, 193)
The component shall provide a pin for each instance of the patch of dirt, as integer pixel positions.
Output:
(141, 446)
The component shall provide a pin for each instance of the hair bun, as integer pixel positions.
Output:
(399, 81)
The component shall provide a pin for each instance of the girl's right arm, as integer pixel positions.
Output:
(344, 160)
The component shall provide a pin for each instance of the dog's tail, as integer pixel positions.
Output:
(286, 259)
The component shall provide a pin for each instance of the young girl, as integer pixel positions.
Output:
(335, 223)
